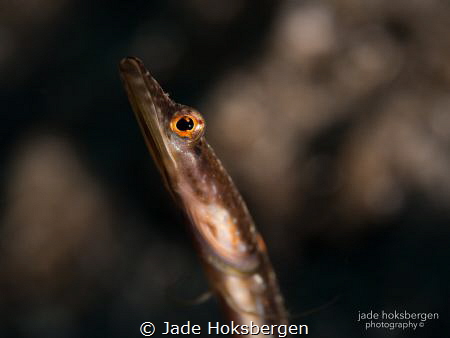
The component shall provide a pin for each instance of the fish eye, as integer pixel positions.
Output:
(187, 124)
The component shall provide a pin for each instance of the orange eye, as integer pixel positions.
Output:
(187, 124)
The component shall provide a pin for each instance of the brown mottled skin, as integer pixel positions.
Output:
(233, 253)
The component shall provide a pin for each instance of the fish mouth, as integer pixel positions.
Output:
(152, 108)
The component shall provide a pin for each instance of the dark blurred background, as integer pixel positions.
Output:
(333, 117)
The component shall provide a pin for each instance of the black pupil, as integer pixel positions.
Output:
(185, 123)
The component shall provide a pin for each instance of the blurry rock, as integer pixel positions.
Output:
(56, 237)
(328, 125)
(214, 11)
(393, 154)
(26, 28)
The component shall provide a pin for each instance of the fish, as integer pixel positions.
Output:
(232, 251)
